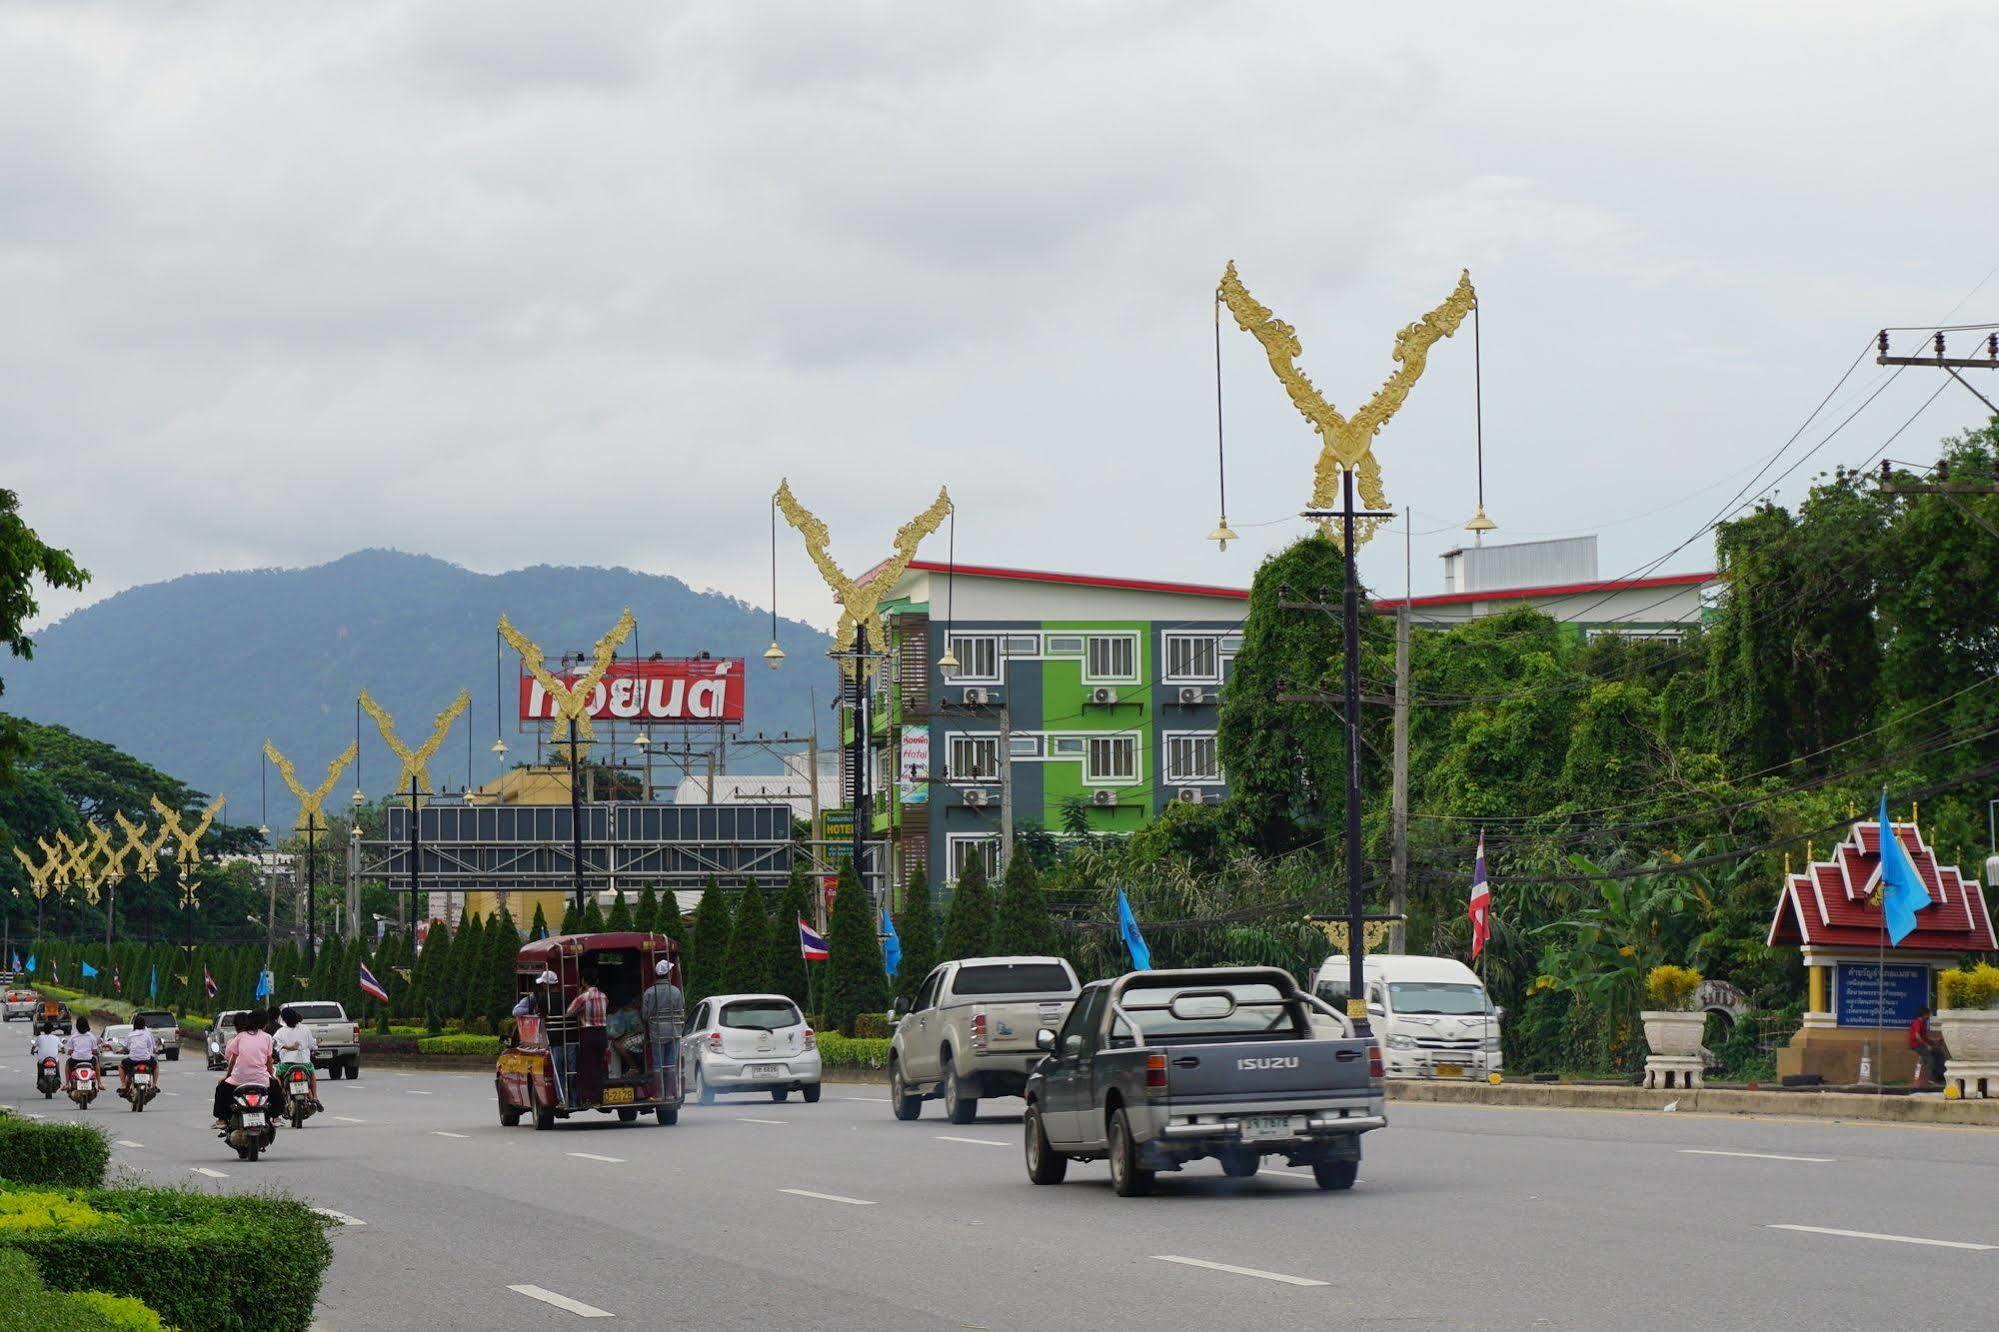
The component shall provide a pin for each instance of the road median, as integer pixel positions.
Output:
(1829, 1105)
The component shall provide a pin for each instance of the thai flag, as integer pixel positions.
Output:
(810, 946)
(117, 981)
(208, 982)
(372, 987)
(1480, 909)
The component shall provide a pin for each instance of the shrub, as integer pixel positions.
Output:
(159, 1245)
(1671, 987)
(30, 1306)
(122, 1312)
(459, 1045)
(1972, 987)
(44, 1154)
(403, 1045)
(837, 1051)
(29, 1211)
(196, 1024)
(873, 1026)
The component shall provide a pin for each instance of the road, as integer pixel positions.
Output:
(750, 1213)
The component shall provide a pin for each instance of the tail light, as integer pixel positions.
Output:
(811, 1039)
(979, 1033)
(1374, 1071)
(714, 1040)
(253, 1099)
(1155, 1073)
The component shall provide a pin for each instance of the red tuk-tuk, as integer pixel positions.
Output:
(539, 1071)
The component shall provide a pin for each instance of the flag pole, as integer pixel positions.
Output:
(1881, 949)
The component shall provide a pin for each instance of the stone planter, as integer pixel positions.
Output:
(1675, 1035)
(1972, 1034)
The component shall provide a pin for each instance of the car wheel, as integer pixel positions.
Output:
(353, 1068)
(702, 1091)
(1333, 1175)
(905, 1104)
(173, 1056)
(810, 1091)
(1240, 1162)
(333, 1070)
(780, 1093)
(958, 1107)
(667, 1115)
(628, 1116)
(544, 1117)
(1044, 1164)
(1128, 1177)
(510, 1115)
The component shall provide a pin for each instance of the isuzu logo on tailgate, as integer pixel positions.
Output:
(1268, 1061)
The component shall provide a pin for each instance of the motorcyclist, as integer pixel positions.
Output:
(48, 1045)
(81, 1047)
(295, 1044)
(141, 1047)
(247, 1062)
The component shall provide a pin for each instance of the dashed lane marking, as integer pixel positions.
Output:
(411, 1091)
(1891, 1239)
(1756, 1156)
(127, 1142)
(204, 1170)
(592, 1156)
(341, 1217)
(976, 1142)
(563, 1302)
(442, 1134)
(349, 1119)
(871, 1100)
(828, 1197)
(745, 1119)
(1237, 1271)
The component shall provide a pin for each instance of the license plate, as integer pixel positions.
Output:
(254, 1120)
(766, 1070)
(1266, 1126)
(141, 1080)
(1450, 1070)
(617, 1095)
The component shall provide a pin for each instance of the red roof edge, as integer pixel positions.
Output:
(1554, 590)
(1082, 580)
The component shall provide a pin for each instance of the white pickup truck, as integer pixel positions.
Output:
(338, 1036)
(970, 1032)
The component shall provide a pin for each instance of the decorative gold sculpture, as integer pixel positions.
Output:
(571, 700)
(1347, 442)
(308, 801)
(188, 855)
(40, 874)
(860, 600)
(146, 852)
(416, 762)
(111, 872)
(1374, 933)
(75, 872)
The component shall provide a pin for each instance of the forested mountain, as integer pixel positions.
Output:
(193, 674)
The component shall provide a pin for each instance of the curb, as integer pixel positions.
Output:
(1804, 1105)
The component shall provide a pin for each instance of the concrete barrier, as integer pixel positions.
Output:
(1707, 1101)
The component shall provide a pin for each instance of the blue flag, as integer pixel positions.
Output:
(891, 945)
(88, 971)
(1134, 942)
(31, 964)
(264, 985)
(1902, 891)
(152, 982)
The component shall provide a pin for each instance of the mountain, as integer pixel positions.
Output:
(193, 674)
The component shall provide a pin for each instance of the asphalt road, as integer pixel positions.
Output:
(749, 1214)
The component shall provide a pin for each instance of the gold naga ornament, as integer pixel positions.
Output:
(416, 762)
(145, 853)
(571, 700)
(75, 872)
(112, 872)
(1347, 443)
(309, 802)
(39, 874)
(860, 599)
(187, 855)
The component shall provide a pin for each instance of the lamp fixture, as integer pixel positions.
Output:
(642, 740)
(949, 661)
(499, 749)
(773, 654)
(1223, 533)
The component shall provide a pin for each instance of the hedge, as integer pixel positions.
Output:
(459, 1045)
(35, 1152)
(371, 1044)
(28, 1305)
(837, 1051)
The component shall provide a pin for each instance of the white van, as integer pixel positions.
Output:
(1431, 1014)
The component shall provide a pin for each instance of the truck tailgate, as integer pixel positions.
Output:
(1010, 1024)
(1275, 1070)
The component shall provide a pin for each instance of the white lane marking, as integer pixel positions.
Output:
(563, 1302)
(204, 1170)
(827, 1197)
(976, 1142)
(411, 1091)
(440, 1133)
(1892, 1239)
(127, 1142)
(745, 1119)
(871, 1100)
(1238, 1271)
(1756, 1156)
(349, 1119)
(173, 1093)
(405, 1075)
(341, 1217)
(592, 1156)
(33, 1115)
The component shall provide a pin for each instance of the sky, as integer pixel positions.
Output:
(520, 283)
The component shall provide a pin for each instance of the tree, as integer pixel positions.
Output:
(572, 919)
(702, 960)
(1022, 925)
(538, 928)
(646, 919)
(466, 956)
(25, 559)
(620, 918)
(968, 921)
(746, 964)
(593, 916)
(855, 981)
(916, 926)
(785, 965)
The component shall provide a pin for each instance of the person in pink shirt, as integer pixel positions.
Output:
(248, 1061)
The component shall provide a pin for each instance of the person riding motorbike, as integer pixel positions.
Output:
(141, 1047)
(247, 1061)
(295, 1045)
(81, 1048)
(48, 1045)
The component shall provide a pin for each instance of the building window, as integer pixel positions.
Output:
(964, 847)
(1191, 758)
(1065, 645)
(1023, 645)
(1065, 746)
(978, 659)
(1192, 659)
(1111, 659)
(1112, 758)
(1025, 746)
(974, 758)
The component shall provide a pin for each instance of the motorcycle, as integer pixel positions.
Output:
(298, 1106)
(251, 1125)
(48, 1078)
(83, 1085)
(145, 1085)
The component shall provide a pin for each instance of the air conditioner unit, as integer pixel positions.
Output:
(1103, 694)
(1189, 795)
(1193, 694)
(976, 797)
(977, 698)
(1103, 799)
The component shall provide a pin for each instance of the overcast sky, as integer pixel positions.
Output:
(514, 283)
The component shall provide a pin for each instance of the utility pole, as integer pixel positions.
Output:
(311, 887)
(863, 740)
(1948, 364)
(1006, 785)
(1398, 886)
(416, 855)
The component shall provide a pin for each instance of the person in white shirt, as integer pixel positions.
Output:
(295, 1046)
(47, 1044)
(141, 1047)
(81, 1048)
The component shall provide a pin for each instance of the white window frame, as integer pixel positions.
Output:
(1174, 776)
(963, 675)
(1025, 745)
(1092, 777)
(1166, 644)
(1020, 646)
(1068, 746)
(954, 844)
(1131, 639)
(972, 740)
(1055, 645)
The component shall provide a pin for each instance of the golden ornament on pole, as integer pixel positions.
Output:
(1374, 934)
(40, 873)
(76, 866)
(860, 601)
(187, 853)
(572, 700)
(416, 762)
(1347, 443)
(309, 802)
(146, 852)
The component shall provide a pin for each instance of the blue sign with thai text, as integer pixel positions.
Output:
(1879, 996)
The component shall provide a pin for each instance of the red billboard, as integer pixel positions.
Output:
(704, 690)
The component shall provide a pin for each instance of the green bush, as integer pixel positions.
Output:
(399, 1044)
(34, 1152)
(837, 1051)
(1974, 987)
(160, 1245)
(1671, 988)
(197, 1024)
(873, 1026)
(121, 1311)
(459, 1045)
(27, 1305)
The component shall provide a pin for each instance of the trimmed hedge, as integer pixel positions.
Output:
(837, 1051)
(371, 1044)
(35, 1152)
(459, 1045)
(27, 1305)
(160, 1246)
(873, 1026)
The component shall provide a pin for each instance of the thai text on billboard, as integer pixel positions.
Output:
(706, 690)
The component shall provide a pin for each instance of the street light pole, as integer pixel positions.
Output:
(311, 888)
(863, 806)
(1356, 908)
(416, 854)
(576, 822)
